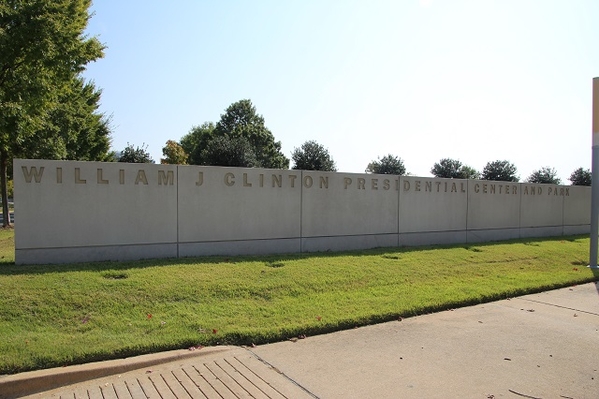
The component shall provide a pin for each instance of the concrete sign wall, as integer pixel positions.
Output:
(70, 211)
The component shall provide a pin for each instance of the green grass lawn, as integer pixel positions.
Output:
(66, 314)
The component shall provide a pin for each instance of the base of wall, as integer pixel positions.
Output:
(580, 229)
(346, 243)
(94, 254)
(551, 231)
(243, 247)
(282, 246)
(432, 238)
(492, 235)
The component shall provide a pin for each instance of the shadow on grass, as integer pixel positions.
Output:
(278, 260)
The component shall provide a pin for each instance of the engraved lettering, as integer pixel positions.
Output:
(324, 181)
(428, 186)
(507, 188)
(438, 183)
(462, 188)
(308, 181)
(261, 179)
(59, 175)
(374, 184)
(229, 179)
(141, 177)
(476, 187)
(361, 183)
(515, 190)
(245, 181)
(454, 188)
(168, 178)
(200, 179)
(346, 182)
(78, 179)
(406, 185)
(386, 184)
(567, 192)
(292, 179)
(491, 188)
(101, 179)
(33, 172)
(121, 176)
(485, 191)
(417, 185)
(277, 180)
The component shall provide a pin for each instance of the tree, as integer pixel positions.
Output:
(196, 141)
(241, 120)
(43, 45)
(581, 177)
(174, 154)
(468, 172)
(453, 169)
(230, 151)
(312, 156)
(389, 165)
(500, 171)
(544, 175)
(74, 130)
(133, 154)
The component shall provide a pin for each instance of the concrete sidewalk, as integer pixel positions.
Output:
(536, 346)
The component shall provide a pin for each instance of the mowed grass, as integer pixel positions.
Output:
(56, 315)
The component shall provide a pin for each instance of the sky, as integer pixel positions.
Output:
(473, 80)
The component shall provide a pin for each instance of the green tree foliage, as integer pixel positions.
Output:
(43, 46)
(544, 175)
(453, 169)
(241, 120)
(74, 128)
(312, 156)
(581, 177)
(132, 154)
(240, 124)
(196, 141)
(500, 171)
(388, 165)
(230, 151)
(174, 154)
(469, 172)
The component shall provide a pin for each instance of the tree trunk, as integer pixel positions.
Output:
(4, 189)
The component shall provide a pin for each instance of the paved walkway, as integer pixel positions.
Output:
(536, 346)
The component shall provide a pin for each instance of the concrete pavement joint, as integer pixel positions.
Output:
(284, 375)
(559, 306)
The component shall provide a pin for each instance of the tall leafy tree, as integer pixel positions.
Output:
(74, 128)
(196, 141)
(230, 151)
(313, 156)
(453, 169)
(241, 120)
(174, 154)
(581, 177)
(544, 175)
(389, 165)
(43, 45)
(135, 154)
(500, 171)
(242, 134)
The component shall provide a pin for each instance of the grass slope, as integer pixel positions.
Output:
(67, 314)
